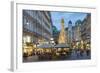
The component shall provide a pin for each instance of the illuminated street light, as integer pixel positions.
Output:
(28, 39)
(27, 23)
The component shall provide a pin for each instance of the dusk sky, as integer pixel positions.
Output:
(73, 16)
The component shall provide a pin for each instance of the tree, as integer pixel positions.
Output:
(55, 30)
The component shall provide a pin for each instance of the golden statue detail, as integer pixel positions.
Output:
(62, 35)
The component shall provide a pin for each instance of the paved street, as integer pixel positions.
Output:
(76, 56)
(31, 59)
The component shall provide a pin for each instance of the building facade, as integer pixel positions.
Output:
(37, 26)
(70, 32)
(78, 31)
(86, 29)
(66, 31)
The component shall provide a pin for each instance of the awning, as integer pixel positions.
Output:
(45, 46)
(62, 45)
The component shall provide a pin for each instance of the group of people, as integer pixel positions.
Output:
(56, 54)
(80, 53)
(52, 54)
(81, 49)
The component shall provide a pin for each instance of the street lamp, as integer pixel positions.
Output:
(52, 41)
(28, 39)
(27, 23)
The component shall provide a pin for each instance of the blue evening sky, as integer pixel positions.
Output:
(73, 16)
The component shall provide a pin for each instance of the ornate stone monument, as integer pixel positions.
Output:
(62, 36)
